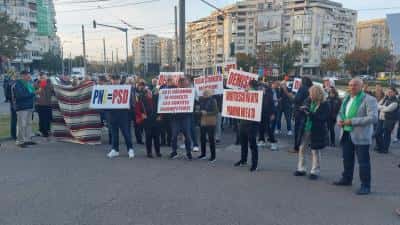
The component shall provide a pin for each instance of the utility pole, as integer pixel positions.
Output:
(182, 38)
(84, 48)
(62, 60)
(112, 61)
(104, 55)
(176, 39)
(117, 64)
(126, 43)
(70, 63)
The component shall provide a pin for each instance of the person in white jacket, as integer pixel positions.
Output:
(388, 116)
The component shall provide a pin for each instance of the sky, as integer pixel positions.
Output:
(155, 17)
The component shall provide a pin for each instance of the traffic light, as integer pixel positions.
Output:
(94, 24)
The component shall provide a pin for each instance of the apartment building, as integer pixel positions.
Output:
(393, 23)
(324, 28)
(167, 54)
(38, 17)
(373, 34)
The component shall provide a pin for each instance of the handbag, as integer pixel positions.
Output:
(208, 120)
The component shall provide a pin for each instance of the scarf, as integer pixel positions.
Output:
(353, 109)
(28, 86)
(308, 126)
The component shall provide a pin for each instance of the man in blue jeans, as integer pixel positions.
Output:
(357, 115)
(181, 122)
(120, 119)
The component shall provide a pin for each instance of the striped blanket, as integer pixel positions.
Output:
(73, 121)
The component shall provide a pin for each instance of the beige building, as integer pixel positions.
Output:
(324, 28)
(167, 54)
(373, 34)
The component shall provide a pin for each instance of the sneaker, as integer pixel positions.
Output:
(211, 160)
(299, 173)
(289, 133)
(274, 147)
(159, 155)
(217, 141)
(30, 143)
(277, 131)
(131, 153)
(313, 177)
(202, 157)
(363, 190)
(253, 168)
(196, 149)
(189, 156)
(22, 145)
(113, 154)
(173, 155)
(150, 156)
(261, 143)
(240, 163)
(342, 182)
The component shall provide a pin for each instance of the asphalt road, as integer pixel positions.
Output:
(60, 183)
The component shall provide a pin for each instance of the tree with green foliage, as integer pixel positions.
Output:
(245, 61)
(12, 37)
(330, 65)
(51, 62)
(369, 61)
(285, 56)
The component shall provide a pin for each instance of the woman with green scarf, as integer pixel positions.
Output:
(315, 132)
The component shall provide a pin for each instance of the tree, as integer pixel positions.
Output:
(330, 65)
(51, 62)
(245, 61)
(357, 61)
(12, 37)
(380, 60)
(286, 56)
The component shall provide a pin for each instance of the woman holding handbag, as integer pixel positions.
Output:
(208, 122)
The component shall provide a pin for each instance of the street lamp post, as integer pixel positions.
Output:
(95, 24)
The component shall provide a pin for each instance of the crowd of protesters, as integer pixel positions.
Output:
(361, 116)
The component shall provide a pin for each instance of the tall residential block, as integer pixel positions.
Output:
(373, 34)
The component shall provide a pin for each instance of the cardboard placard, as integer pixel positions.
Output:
(110, 97)
(214, 83)
(163, 77)
(176, 100)
(244, 105)
(239, 79)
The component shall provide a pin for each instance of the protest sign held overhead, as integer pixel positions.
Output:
(164, 76)
(110, 97)
(176, 100)
(296, 84)
(214, 83)
(240, 104)
(239, 79)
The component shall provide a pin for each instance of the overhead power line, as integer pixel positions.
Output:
(108, 7)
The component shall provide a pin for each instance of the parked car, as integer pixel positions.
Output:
(367, 77)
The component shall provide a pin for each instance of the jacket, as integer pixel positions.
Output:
(209, 105)
(44, 95)
(23, 99)
(388, 108)
(334, 107)
(299, 99)
(363, 122)
(319, 128)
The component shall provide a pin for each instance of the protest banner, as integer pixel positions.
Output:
(239, 79)
(214, 83)
(110, 97)
(163, 77)
(176, 100)
(240, 104)
(296, 84)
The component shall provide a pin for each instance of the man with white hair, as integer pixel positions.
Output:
(357, 115)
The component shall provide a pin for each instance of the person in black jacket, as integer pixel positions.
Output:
(147, 105)
(267, 117)
(388, 116)
(208, 121)
(334, 108)
(247, 133)
(13, 112)
(314, 133)
(299, 115)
